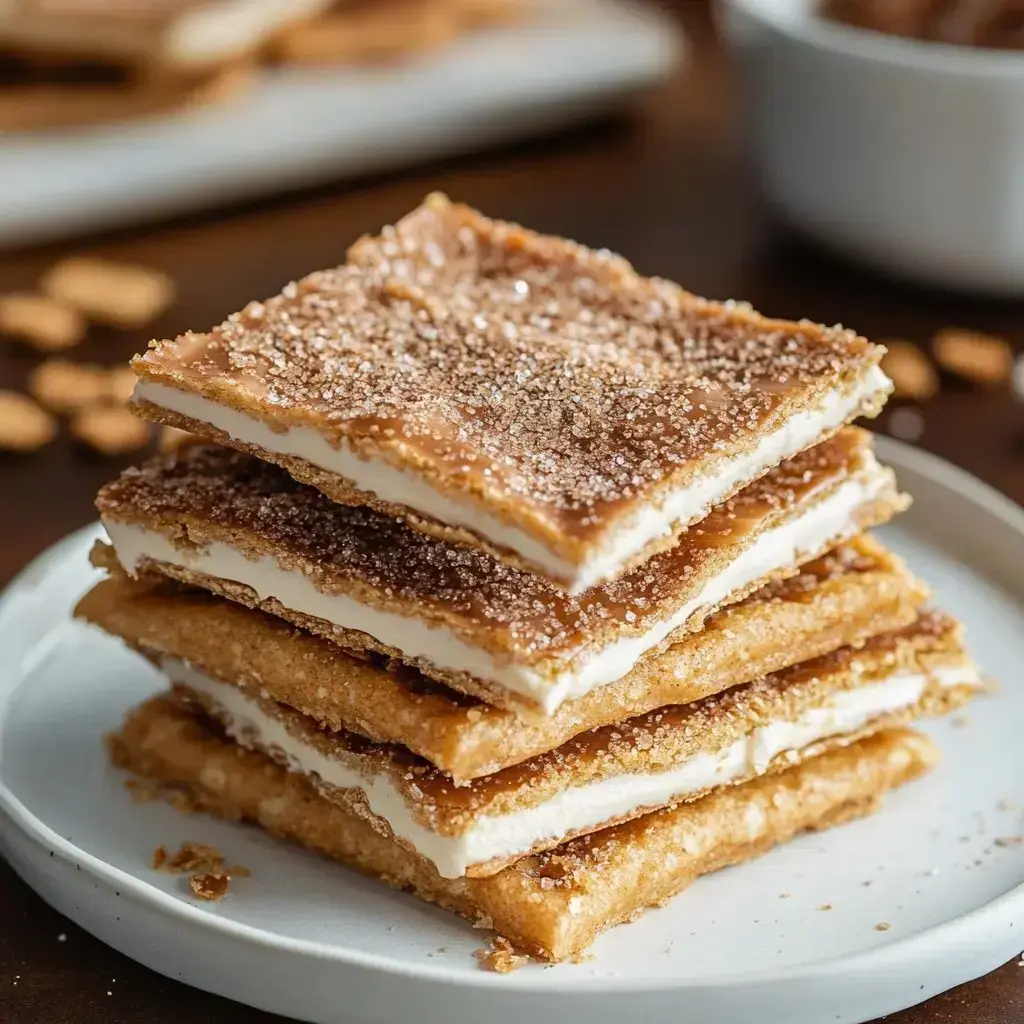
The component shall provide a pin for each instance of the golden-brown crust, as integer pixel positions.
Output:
(653, 743)
(552, 905)
(841, 600)
(543, 382)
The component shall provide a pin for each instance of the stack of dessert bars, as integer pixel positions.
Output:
(518, 580)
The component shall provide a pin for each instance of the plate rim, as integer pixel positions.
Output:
(923, 943)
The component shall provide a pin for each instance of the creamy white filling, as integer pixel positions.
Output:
(821, 525)
(578, 807)
(401, 487)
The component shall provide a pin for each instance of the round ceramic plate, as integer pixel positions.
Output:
(792, 937)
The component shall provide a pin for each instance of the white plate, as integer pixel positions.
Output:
(305, 937)
(569, 60)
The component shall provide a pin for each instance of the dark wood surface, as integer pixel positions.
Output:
(668, 188)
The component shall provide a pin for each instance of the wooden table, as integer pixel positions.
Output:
(668, 189)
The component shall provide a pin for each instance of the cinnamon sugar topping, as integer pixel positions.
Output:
(202, 490)
(520, 367)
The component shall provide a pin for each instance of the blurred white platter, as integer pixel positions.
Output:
(306, 938)
(569, 59)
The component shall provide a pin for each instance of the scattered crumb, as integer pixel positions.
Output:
(110, 430)
(961, 721)
(979, 358)
(63, 937)
(1005, 841)
(1005, 805)
(120, 294)
(241, 871)
(213, 885)
(783, 895)
(46, 324)
(66, 387)
(866, 884)
(911, 371)
(825, 906)
(143, 791)
(190, 857)
(500, 956)
(906, 424)
(24, 426)
(882, 926)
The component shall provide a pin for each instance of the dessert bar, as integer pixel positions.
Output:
(513, 391)
(853, 593)
(552, 905)
(230, 523)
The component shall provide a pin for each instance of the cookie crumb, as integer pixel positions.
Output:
(911, 371)
(882, 926)
(1005, 805)
(66, 387)
(500, 956)
(110, 430)
(976, 357)
(143, 791)
(123, 295)
(213, 885)
(24, 425)
(46, 324)
(783, 895)
(239, 871)
(189, 857)
(825, 906)
(1007, 841)
(960, 721)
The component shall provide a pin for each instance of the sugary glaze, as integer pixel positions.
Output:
(552, 905)
(205, 494)
(544, 381)
(930, 652)
(853, 593)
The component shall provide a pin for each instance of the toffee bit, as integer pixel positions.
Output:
(210, 886)
(189, 857)
(500, 956)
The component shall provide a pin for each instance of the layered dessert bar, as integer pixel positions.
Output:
(605, 776)
(242, 528)
(513, 392)
(843, 599)
(551, 905)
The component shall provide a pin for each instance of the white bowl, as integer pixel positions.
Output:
(903, 154)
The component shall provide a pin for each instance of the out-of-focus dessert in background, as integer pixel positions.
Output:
(66, 63)
(997, 24)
